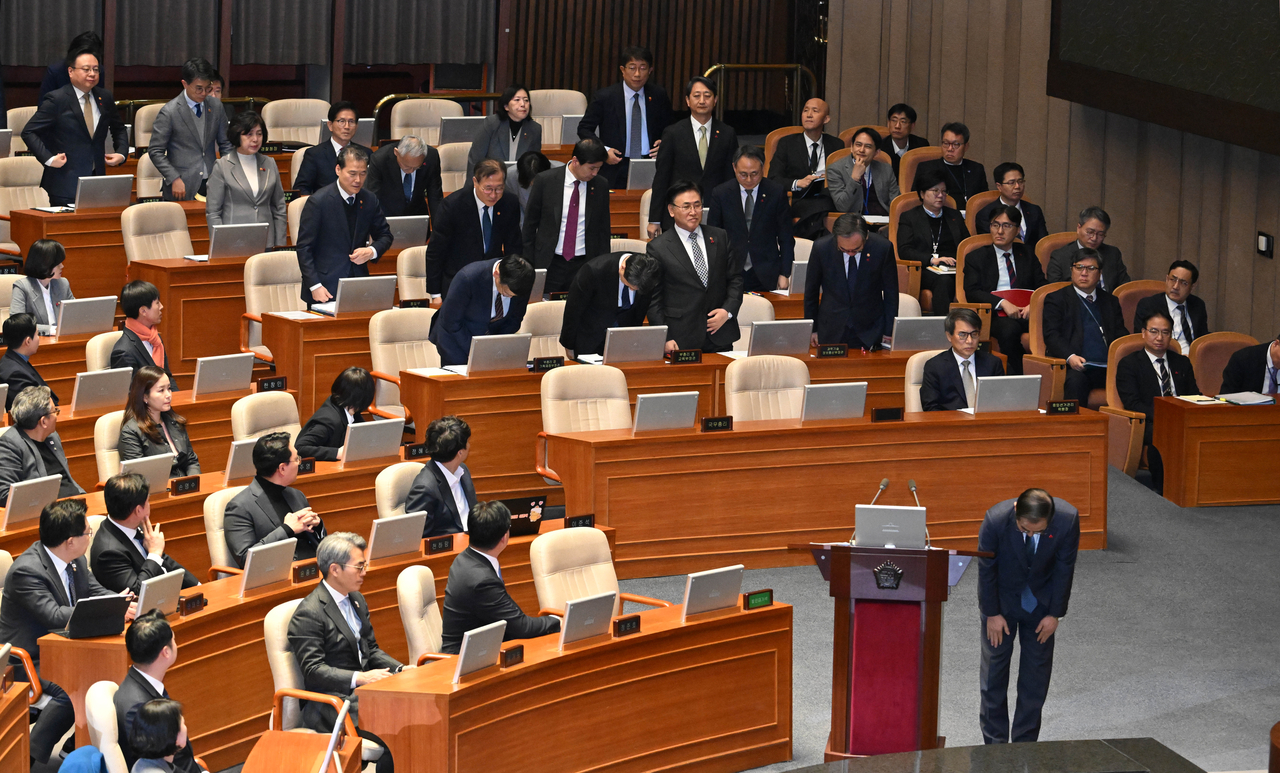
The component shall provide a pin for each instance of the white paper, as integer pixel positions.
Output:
(1247, 398)
(876, 219)
(781, 292)
(294, 314)
(943, 270)
(197, 258)
(734, 355)
(431, 372)
(328, 308)
(461, 370)
(966, 410)
(591, 359)
(55, 210)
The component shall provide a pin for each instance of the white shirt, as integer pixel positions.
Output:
(249, 165)
(336, 147)
(1004, 283)
(459, 495)
(97, 116)
(822, 154)
(1086, 296)
(506, 302)
(156, 684)
(493, 561)
(566, 197)
(129, 535)
(628, 99)
(857, 262)
(1179, 334)
(1156, 368)
(900, 149)
(48, 301)
(60, 567)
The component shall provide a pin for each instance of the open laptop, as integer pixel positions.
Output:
(640, 173)
(711, 590)
(360, 293)
(363, 135)
(795, 286)
(155, 469)
(481, 647)
(6, 141)
(104, 192)
(27, 498)
(784, 336)
(100, 391)
(97, 616)
(539, 285)
(460, 128)
(161, 592)
(569, 129)
(397, 536)
(240, 461)
(224, 373)
(237, 241)
(504, 352)
(889, 526)
(372, 440)
(834, 401)
(267, 564)
(85, 316)
(587, 617)
(408, 230)
(526, 514)
(919, 334)
(667, 410)
(1006, 393)
(634, 344)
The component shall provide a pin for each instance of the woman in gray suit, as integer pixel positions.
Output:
(245, 185)
(508, 133)
(151, 427)
(44, 289)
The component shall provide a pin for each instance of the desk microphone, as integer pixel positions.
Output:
(911, 484)
(884, 484)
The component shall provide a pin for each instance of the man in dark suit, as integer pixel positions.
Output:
(337, 222)
(1005, 265)
(930, 235)
(31, 448)
(16, 370)
(480, 221)
(486, 299)
(332, 638)
(1023, 593)
(405, 176)
(566, 221)
(851, 289)
(1188, 312)
(628, 117)
(69, 130)
(56, 75)
(951, 378)
(1080, 323)
(1253, 369)
(701, 289)
(1153, 372)
(1091, 231)
(1011, 181)
(189, 133)
(756, 215)
(799, 165)
(964, 177)
(476, 594)
(901, 121)
(153, 649)
(320, 161)
(613, 290)
(131, 549)
(443, 489)
(140, 342)
(269, 510)
(700, 149)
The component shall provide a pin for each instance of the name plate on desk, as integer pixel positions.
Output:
(580, 521)
(304, 571)
(273, 384)
(560, 296)
(1060, 407)
(306, 466)
(624, 626)
(886, 414)
(439, 544)
(717, 423)
(415, 303)
(686, 356)
(544, 364)
(191, 602)
(187, 485)
(10, 268)
(416, 451)
(512, 655)
(758, 599)
(833, 350)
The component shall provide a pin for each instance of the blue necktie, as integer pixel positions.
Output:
(486, 225)
(408, 187)
(626, 299)
(198, 113)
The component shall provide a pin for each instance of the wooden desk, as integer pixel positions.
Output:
(96, 263)
(222, 676)
(1218, 454)
(712, 694)
(785, 306)
(311, 353)
(59, 359)
(624, 213)
(15, 735)
(684, 501)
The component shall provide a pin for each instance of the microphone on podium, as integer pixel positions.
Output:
(884, 484)
(911, 484)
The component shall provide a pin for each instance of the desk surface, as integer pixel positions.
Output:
(1218, 454)
(311, 352)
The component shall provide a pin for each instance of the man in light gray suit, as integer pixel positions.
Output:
(858, 182)
(31, 448)
(187, 134)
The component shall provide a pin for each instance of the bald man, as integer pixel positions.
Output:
(799, 165)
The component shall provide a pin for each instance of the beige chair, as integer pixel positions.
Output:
(295, 164)
(222, 564)
(17, 121)
(272, 282)
(19, 189)
(420, 613)
(156, 230)
(253, 416)
(294, 213)
(1210, 354)
(104, 733)
(453, 166)
(295, 120)
(106, 436)
(549, 108)
(150, 183)
(7, 281)
(646, 201)
(571, 564)
(765, 387)
(144, 118)
(391, 488)
(579, 399)
(97, 352)
(908, 306)
(543, 321)
(421, 118)
(628, 245)
(803, 249)
(914, 377)
(411, 273)
(398, 341)
(754, 309)
(1037, 362)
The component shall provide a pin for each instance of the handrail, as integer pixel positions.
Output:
(130, 107)
(797, 105)
(465, 96)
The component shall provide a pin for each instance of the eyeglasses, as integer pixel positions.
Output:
(1083, 269)
(694, 206)
(493, 190)
(1015, 183)
(1177, 282)
(346, 121)
(88, 533)
(1091, 233)
(86, 70)
(936, 191)
(952, 145)
(1003, 226)
(361, 567)
(967, 335)
(1158, 333)
(636, 69)
(54, 412)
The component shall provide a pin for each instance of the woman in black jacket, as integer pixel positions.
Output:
(151, 427)
(324, 433)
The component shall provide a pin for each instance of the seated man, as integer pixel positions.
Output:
(332, 638)
(755, 214)
(140, 342)
(319, 162)
(901, 122)
(477, 222)
(268, 510)
(1080, 323)
(16, 370)
(799, 165)
(951, 378)
(153, 649)
(964, 177)
(1011, 181)
(612, 290)
(851, 290)
(1004, 265)
(443, 489)
(32, 449)
(1091, 231)
(1253, 369)
(930, 235)
(1190, 318)
(131, 549)
(476, 595)
(858, 182)
(486, 298)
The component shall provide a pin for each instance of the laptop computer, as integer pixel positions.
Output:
(161, 592)
(526, 514)
(104, 192)
(85, 316)
(27, 498)
(481, 647)
(667, 410)
(6, 142)
(1006, 393)
(711, 590)
(634, 344)
(240, 461)
(363, 135)
(155, 469)
(834, 401)
(640, 173)
(408, 230)
(96, 616)
(587, 617)
(224, 373)
(784, 336)
(504, 352)
(539, 284)
(360, 293)
(569, 129)
(396, 536)
(100, 391)
(267, 564)
(919, 334)
(372, 440)
(460, 128)
(795, 286)
(238, 241)
(889, 526)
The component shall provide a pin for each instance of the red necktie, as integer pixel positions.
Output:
(570, 246)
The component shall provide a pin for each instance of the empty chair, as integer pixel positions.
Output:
(19, 189)
(18, 117)
(1210, 354)
(222, 563)
(398, 341)
(628, 245)
(272, 282)
(106, 435)
(260, 414)
(1125, 429)
(420, 613)
(295, 120)
(411, 273)
(7, 281)
(571, 564)
(104, 732)
(754, 309)
(421, 118)
(543, 322)
(453, 165)
(144, 118)
(294, 213)
(391, 488)
(908, 306)
(578, 399)
(803, 248)
(765, 387)
(150, 182)
(1130, 294)
(97, 352)
(155, 231)
(914, 377)
(551, 105)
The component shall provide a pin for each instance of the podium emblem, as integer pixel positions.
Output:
(888, 576)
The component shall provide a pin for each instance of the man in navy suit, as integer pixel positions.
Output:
(951, 378)
(16, 369)
(1023, 592)
(337, 222)
(319, 161)
(1253, 369)
(69, 129)
(1011, 181)
(480, 221)
(755, 213)
(1091, 232)
(487, 298)
(628, 117)
(1188, 312)
(851, 290)
(1081, 321)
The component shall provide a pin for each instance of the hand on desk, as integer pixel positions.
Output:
(1046, 629)
(670, 347)
(131, 612)
(303, 520)
(997, 629)
(369, 677)
(783, 282)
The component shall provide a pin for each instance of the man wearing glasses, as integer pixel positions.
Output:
(477, 222)
(964, 177)
(992, 273)
(1091, 232)
(319, 160)
(629, 116)
(951, 378)
(33, 449)
(1190, 318)
(1080, 322)
(1011, 181)
(189, 133)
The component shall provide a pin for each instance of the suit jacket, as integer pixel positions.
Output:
(1114, 272)
(982, 274)
(592, 307)
(28, 298)
(682, 303)
(769, 244)
(18, 374)
(35, 598)
(1032, 218)
(942, 388)
(915, 234)
(606, 118)
(1002, 578)
(846, 192)
(678, 160)
(324, 433)
(118, 562)
(134, 691)
(130, 352)
(870, 311)
(1139, 384)
(467, 311)
(913, 141)
(232, 202)
(457, 239)
(494, 141)
(249, 521)
(1246, 371)
(325, 243)
(58, 127)
(430, 494)
(134, 444)
(545, 211)
(181, 144)
(20, 460)
(385, 183)
(969, 179)
(1196, 311)
(475, 596)
(319, 168)
(1064, 326)
(790, 160)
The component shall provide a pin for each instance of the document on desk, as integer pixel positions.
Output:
(461, 370)
(876, 219)
(56, 210)
(733, 354)
(1201, 400)
(197, 258)
(971, 413)
(431, 372)
(1248, 398)
(943, 270)
(591, 359)
(329, 309)
(294, 314)
(785, 293)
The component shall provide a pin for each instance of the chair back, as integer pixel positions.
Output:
(391, 488)
(1210, 354)
(95, 523)
(156, 230)
(646, 201)
(295, 120)
(914, 377)
(1130, 294)
(765, 387)
(1049, 244)
(144, 118)
(104, 732)
(771, 143)
(19, 188)
(295, 163)
(150, 182)
(543, 321)
(285, 673)
(215, 507)
(421, 118)
(585, 398)
(453, 165)
(294, 214)
(1120, 348)
(17, 121)
(804, 247)
(272, 282)
(6, 561)
(637, 246)
(420, 610)
(754, 309)
(253, 416)
(398, 341)
(7, 281)
(571, 564)
(965, 247)
(549, 106)
(846, 136)
(97, 352)
(912, 159)
(974, 205)
(1035, 311)
(902, 204)
(106, 438)
(908, 306)
(838, 155)
(411, 271)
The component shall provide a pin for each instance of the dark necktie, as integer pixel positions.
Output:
(351, 201)
(198, 113)
(852, 274)
(625, 303)
(486, 227)
(137, 537)
(497, 308)
(1275, 379)
(633, 142)
(408, 187)
(1030, 548)
(866, 195)
(813, 158)
(699, 261)
(1186, 324)
(1166, 385)
(570, 247)
(70, 572)
(1029, 598)
(1089, 299)
(749, 207)
(1008, 266)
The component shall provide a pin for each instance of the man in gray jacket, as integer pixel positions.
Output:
(31, 448)
(858, 182)
(187, 134)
